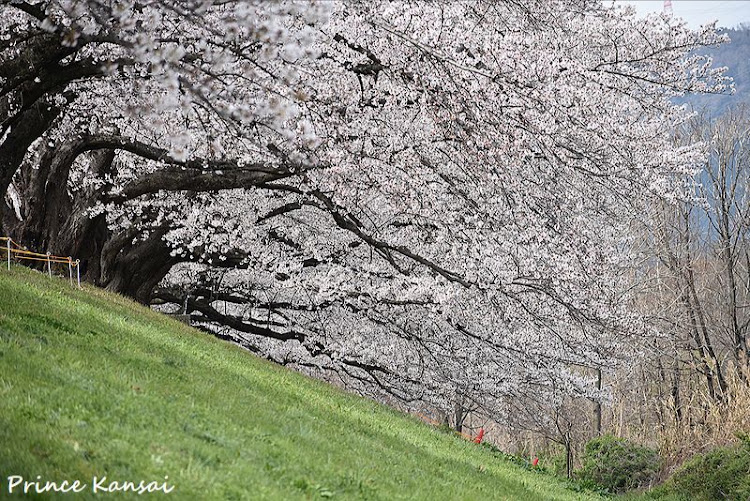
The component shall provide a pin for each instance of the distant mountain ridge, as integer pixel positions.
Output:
(736, 56)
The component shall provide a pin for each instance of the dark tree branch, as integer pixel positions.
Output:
(349, 223)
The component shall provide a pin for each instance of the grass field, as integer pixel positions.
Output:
(93, 385)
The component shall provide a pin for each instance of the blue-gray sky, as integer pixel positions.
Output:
(730, 13)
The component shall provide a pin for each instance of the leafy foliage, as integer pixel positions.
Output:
(723, 473)
(617, 465)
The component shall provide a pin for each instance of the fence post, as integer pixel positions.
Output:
(8, 248)
(70, 269)
(78, 272)
(49, 266)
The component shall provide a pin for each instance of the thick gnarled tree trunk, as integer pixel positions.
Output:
(55, 219)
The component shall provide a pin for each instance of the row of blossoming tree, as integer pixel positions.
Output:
(428, 202)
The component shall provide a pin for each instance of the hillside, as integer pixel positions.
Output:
(735, 55)
(93, 385)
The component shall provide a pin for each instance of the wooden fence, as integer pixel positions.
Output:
(15, 252)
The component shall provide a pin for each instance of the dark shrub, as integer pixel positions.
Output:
(616, 465)
(723, 473)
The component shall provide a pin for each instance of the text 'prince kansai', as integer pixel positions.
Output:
(17, 484)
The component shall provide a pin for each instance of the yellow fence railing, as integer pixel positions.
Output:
(14, 251)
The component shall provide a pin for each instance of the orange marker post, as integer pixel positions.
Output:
(478, 440)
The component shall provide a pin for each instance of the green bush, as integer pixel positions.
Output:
(723, 473)
(615, 465)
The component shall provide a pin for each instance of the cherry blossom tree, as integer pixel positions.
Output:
(429, 202)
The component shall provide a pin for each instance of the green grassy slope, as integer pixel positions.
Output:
(92, 384)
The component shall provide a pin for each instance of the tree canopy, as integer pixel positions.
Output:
(424, 200)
